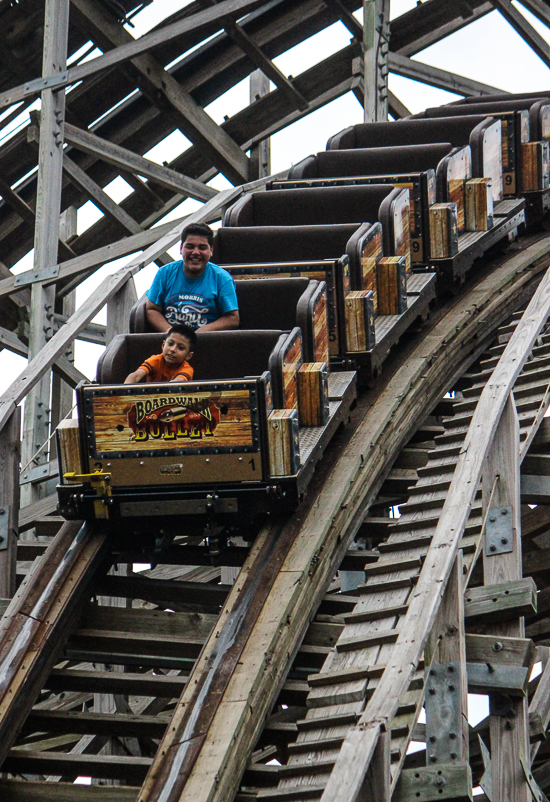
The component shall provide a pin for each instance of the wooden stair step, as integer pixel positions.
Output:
(289, 794)
(390, 584)
(324, 722)
(366, 641)
(106, 767)
(322, 744)
(375, 615)
(388, 566)
(123, 725)
(412, 542)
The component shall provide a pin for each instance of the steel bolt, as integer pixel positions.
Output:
(492, 519)
(492, 548)
(433, 758)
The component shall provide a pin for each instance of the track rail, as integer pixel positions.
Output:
(243, 665)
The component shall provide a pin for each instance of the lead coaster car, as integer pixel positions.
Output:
(239, 443)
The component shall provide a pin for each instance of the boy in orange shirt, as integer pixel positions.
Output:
(171, 365)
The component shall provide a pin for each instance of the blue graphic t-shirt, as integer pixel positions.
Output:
(195, 301)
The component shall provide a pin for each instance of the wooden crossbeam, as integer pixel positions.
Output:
(124, 159)
(204, 22)
(357, 751)
(157, 83)
(520, 24)
(443, 79)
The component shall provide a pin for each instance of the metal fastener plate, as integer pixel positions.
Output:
(32, 276)
(443, 713)
(4, 527)
(498, 531)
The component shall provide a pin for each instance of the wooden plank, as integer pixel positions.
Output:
(30, 791)
(116, 767)
(212, 19)
(501, 488)
(9, 502)
(124, 159)
(34, 626)
(346, 780)
(193, 121)
(36, 418)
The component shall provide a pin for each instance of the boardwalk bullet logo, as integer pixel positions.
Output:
(173, 418)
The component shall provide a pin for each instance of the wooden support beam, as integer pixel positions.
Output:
(442, 79)
(118, 310)
(350, 21)
(347, 777)
(508, 723)
(156, 82)
(10, 448)
(520, 24)
(100, 198)
(260, 154)
(124, 159)
(30, 791)
(48, 209)
(263, 63)
(396, 108)
(205, 22)
(375, 49)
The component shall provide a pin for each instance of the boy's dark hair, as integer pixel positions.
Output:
(185, 331)
(198, 230)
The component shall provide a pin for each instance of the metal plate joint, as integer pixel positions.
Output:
(4, 527)
(39, 84)
(499, 536)
(33, 276)
(443, 713)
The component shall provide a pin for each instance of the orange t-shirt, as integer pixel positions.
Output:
(159, 371)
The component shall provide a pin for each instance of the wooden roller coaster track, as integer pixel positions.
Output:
(52, 639)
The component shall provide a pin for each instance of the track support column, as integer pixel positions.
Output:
(375, 54)
(46, 239)
(509, 732)
(260, 154)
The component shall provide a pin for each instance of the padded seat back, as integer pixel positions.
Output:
(260, 306)
(218, 354)
(255, 244)
(370, 161)
(456, 130)
(291, 207)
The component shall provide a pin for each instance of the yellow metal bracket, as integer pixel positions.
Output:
(101, 483)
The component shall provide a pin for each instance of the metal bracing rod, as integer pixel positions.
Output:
(48, 208)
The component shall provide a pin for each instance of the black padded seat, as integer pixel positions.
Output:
(309, 206)
(456, 130)
(535, 107)
(543, 94)
(370, 161)
(218, 354)
(255, 244)
(262, 305)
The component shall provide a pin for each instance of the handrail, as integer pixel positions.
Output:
(358, 748)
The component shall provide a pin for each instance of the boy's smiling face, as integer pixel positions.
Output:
(176, 349)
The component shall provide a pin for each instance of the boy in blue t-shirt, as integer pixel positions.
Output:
(193, 291)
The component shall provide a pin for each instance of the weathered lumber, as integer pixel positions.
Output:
(346, 779)
(233, 729)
